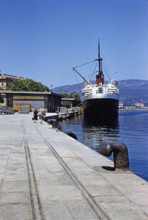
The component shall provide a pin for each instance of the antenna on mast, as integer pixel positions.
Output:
(98, 49)
(100, 75)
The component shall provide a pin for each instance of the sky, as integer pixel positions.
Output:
(44, 39)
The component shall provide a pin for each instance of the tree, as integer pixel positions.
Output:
(74, 95)
(64, 94)
(27, 85)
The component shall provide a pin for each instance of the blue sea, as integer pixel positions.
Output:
(131, 128)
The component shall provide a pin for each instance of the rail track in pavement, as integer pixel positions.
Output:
(33, 189)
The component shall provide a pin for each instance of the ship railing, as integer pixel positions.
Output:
(86, 93)
(110, 90)
(113, 92)
(105, 90)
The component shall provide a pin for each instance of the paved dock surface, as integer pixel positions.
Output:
(47, 175)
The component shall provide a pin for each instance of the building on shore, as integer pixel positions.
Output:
(6, 79)
(47, 101)
(69, 102)
(139, 104)
(121, 105)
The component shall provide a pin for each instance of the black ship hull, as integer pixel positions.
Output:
(100, 109)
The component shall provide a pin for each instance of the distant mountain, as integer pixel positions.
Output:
(131, 91)
(69, 88)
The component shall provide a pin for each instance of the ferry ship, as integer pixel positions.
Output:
(99, 100)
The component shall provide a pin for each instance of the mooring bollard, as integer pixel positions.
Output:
(71, 134)
(120, 153)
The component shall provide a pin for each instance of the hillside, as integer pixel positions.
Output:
(131, 91)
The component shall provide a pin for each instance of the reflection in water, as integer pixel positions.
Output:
(94, 133)
(91, 133)
(131, 130)
(110, 122)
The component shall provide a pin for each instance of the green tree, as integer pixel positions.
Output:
(64, 94)
(74, 95)
(27, 85)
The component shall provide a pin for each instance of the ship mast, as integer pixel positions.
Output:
(100, 75)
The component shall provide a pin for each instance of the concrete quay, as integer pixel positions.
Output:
(47, 175)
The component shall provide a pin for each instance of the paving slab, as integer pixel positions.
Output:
(46, 174)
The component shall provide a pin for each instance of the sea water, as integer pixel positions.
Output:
(131, 128)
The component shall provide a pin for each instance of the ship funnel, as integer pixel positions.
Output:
(100, 78)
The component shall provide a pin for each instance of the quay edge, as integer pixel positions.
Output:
(68, 180)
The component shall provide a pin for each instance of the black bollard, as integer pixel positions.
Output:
(120, 153)
(72, 135)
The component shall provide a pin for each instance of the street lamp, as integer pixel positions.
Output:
(51, 87)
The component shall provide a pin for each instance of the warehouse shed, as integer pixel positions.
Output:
(48, 101)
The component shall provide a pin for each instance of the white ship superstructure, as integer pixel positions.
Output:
(100, 99)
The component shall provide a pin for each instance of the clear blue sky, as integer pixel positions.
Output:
(44, 39)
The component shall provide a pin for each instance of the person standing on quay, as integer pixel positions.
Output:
(35, 115)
